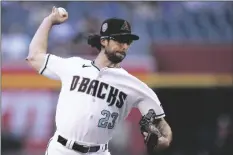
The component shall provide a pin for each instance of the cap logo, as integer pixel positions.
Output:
(125, 26)
(104, 27)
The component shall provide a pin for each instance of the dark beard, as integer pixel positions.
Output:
(115, 57)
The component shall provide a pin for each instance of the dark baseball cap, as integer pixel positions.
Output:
(115, 27)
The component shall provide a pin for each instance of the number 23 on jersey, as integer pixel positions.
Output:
(104, 122)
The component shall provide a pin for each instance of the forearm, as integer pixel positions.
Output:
(38, 47)
(39, 42)
(157, 132)
(164, 129)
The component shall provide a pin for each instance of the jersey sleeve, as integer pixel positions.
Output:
(147, 99)
(49, 74)
(54, 66)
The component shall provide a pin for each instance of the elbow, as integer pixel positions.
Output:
(30, 58)
(167, 145)
(169, 140)
(32, 54)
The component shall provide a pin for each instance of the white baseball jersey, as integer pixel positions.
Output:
(93, 101)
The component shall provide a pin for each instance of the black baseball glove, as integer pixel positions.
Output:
(146, 125)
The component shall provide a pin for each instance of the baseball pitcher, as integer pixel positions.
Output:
(96, 95)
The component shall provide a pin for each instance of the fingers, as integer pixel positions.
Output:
(63, 12)
(53, 10)
(145, 134)
(58, 15)
(65, 15)
(56, 11)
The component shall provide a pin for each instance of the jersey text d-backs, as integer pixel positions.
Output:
(93, 101)
(96, 88)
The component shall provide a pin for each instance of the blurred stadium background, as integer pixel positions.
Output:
(185, 54)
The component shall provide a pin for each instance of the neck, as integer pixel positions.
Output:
(102, 61)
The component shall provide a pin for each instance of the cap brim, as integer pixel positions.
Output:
(127, 35)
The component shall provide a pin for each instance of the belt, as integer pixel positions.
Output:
(78, 147)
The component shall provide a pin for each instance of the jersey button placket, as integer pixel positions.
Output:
(99, 76)
(101, 73)
(93, 98)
